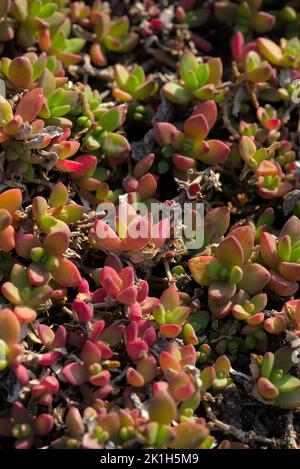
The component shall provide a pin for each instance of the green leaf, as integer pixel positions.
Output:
(110, 120)
(139, 74)
(121, 75)
(58, 42)
(259, 155)
(119, 27)
(191, 80)
(202, 74)
(60, 111)
(252, 61)
(132, 84)
(74, 45)
(187, 62)
(47, 10)
(287, 383)
(176, 93)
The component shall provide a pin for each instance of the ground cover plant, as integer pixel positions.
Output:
(143, 334)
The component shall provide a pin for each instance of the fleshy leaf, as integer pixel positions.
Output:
(75, 373)
(66, 273)
(255, 278)
(30, 105)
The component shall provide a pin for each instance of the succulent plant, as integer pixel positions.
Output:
(11, 354)
(286, 55)
(10, 202)
(27, 291)
(133, 84)
(109, 35)
(139, 336)
(247, 15)
(250, 309)
(88, 369)
(191, 143)
(103, 135)
(54, 343)
(32, 70)
(134, 236)
(264, 222)
(273, 383)
(24, 427)
(255, 69)
(229, 270)
(170, 315)
(270, 178)
(42, 393)
(200, 80)
(280, 255)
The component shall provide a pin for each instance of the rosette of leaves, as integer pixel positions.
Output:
(57, 42)
(48, 256)
(108, 35)
(139, 337)
(286, 55)
(250, 309)
(189, 145)
(170, 314)
(274, 384)
(57, 210)
(216, 223)
(136, 89)
(141, 185)
(26, 292)
(263, 223)
(229, 269)
(88, 369)
(24, 427)
(255, 69)
(91, 177)
(247, 15)
(175, 363)
(270, 177)
(133, 84)
(281, 255)
(133, 238)
(198, 80)
(28, 142)
(103, 136)
(32, 71)
(111, 36)
(48, 25)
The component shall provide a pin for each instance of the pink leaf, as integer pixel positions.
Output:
(110, 280)
(217, 152)
(30, 104)
(90, 353)
(75, 373)
(208, 109)
(237, 46)
(68, 166)
(88, 165)
(128, 295)
(106, 237)
(170, 299)
(163, 132)
(196, 127)
(66, 273)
